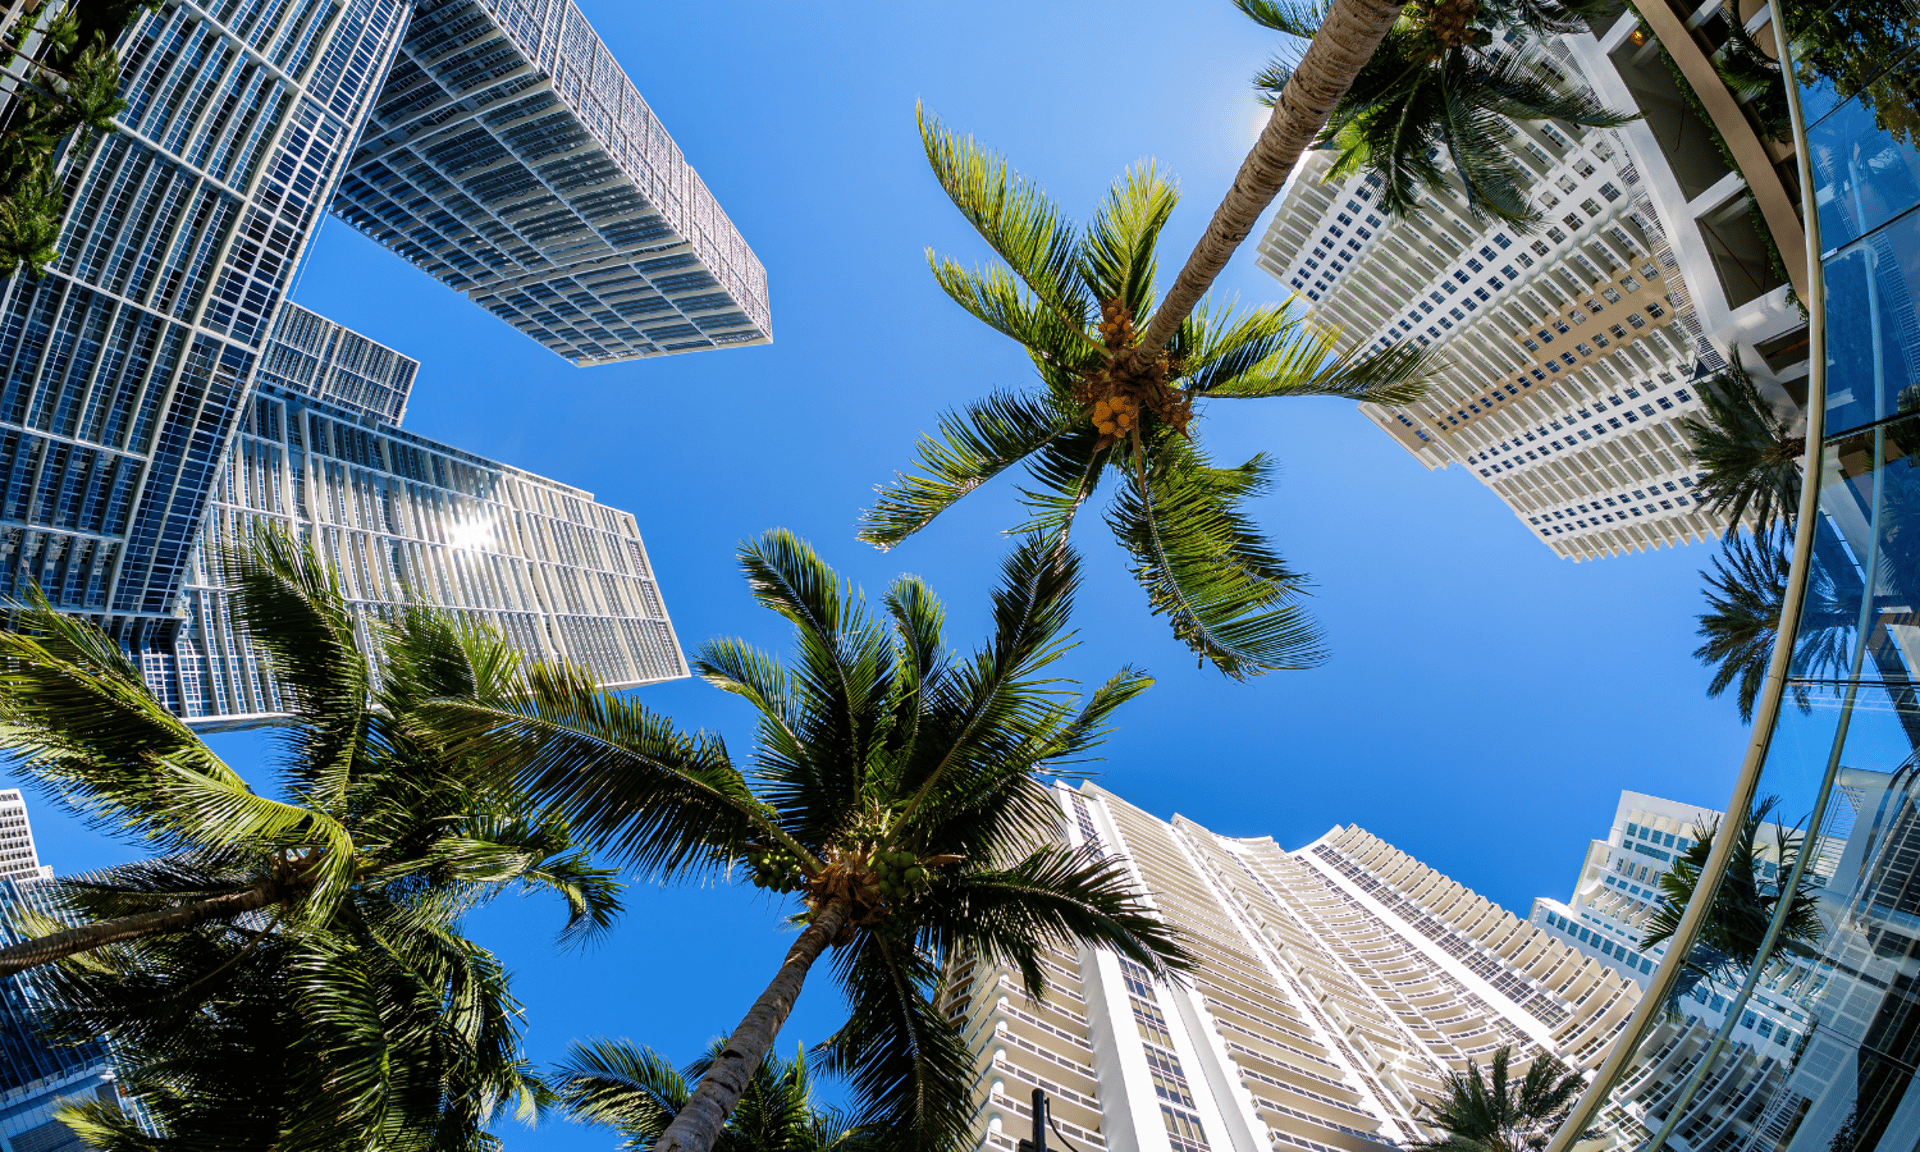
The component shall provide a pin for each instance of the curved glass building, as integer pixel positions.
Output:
(1828, 947)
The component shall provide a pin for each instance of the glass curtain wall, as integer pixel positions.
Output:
(1811, 941)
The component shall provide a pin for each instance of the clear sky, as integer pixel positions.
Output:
(1485, 701)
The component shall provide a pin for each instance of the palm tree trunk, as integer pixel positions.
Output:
(59, 945)
(698, 1125)
(1344, 43)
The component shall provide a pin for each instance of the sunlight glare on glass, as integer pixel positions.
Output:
(473, 535)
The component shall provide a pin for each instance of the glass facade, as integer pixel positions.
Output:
(404, 519)
(159, 395)
(126, 367)
(36, 1077)
(1829, 948)
(512, 158)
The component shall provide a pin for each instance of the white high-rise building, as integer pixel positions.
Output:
(1335, 988)
(18, 859)
(1617, 894)
(1566, 357)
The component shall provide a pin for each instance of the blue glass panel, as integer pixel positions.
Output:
(1873, 334)
(1855, 46)
(1866, 175)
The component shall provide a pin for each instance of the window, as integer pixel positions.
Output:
(1556, 236)
(1344, 218)
(1619, 333)
(1600, 340)
(1540, 248)
(1650, 271)
(1584, 350)
(1560, 326)
(1474, 265)
(1634, 319)
(1572, 222)
(1629, 283)
(1655, 311)
(1595, 306)
(1584, 167)
(1566, 185)
(1500, 239)
(1532, 344)
(1610, 192)
(1590, 207)
(1546, 337)
(1507, 271)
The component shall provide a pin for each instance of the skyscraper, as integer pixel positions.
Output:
(35, 1077)
(1567, 356)
(1336, 987)
(18, 859)
(1616, 896)
(510, 157)
(319, 453)
(539, 183)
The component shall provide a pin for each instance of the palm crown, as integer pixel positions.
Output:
(1495, 1113)
(1107, 405)
(893, 789)
(1750, 458)
(1441, 84)
(1744, 904)
(287, 973)
(636, 1091)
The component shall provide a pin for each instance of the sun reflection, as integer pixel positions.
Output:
(474, 535)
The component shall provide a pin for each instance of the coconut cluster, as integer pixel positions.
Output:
(1450, 21)
(1118, 396)
(777, 869)
(898, 873)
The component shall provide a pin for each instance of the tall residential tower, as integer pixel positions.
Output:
(1336, 987)
(1567, 356)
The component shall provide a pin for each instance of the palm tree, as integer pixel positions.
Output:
(1071, 298)
(30, 227)
(1441, 83)
(1745, 589)
(1493, 1114)
(1743, 905)
(893, 789)
(287, 970)
(635, 1090)
(1750, 457)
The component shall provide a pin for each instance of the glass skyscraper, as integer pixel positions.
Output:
(1837, 723)
(136, 370)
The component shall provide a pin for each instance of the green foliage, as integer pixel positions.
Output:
(1442, 84)
(348, 1010)
(1745, 589)
(1492, 1113)
(1069, 296)
(1743, 905)
(898, 778)
(636, 1091)
(1749, 456)
(70, 92)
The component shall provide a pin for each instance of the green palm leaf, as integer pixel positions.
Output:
(1229, 597)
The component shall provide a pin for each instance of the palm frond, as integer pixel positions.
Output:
(1292, 18)
(1056, 895)
(909, 1070)
(669, 804)
(1117, 260)
(973, 445)
(297, 611)
(1012, 214)
(1205, 567)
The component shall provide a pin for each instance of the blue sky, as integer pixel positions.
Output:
(1484, 704)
